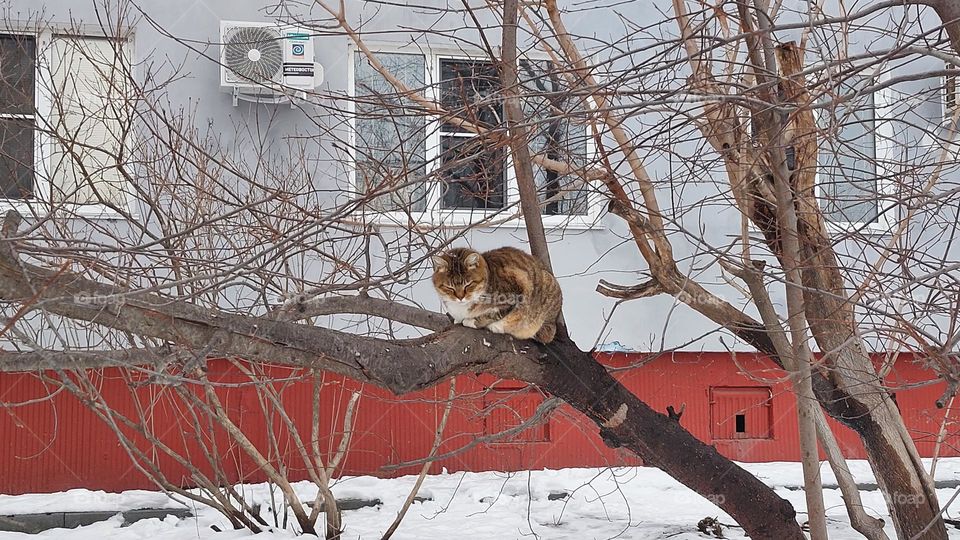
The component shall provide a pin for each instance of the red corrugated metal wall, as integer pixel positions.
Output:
(49, 441)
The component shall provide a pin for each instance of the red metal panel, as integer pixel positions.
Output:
(52, 442)
(507, 410)
(741, 412)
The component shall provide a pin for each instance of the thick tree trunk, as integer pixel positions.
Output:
(625, 421)
(855, 394)
(949, 13)
(846, 383)
(519, 139)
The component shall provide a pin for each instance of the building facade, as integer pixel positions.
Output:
(84, 72)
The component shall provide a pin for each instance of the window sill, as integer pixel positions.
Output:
(839, 229)
(64, 211)
(475, 220)
(870, 229)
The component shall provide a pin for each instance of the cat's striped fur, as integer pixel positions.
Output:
(504, 290)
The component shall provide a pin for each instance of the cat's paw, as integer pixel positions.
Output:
(496, 327)
(469, 323)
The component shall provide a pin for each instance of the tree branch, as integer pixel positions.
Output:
(402, 366)
(301, 309)
(12, 362)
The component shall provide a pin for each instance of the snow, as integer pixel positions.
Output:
(626, 502)
(614, 347)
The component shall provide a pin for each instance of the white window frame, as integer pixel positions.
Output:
(41, 108)
(44, 144)
(884, 147)
(435, 215)
(946, 112)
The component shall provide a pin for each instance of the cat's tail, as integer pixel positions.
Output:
(546, 333)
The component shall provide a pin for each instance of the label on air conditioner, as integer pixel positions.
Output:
(298, 69)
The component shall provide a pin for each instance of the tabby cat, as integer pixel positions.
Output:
(503, 290)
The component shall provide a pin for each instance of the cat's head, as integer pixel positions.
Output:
(459, 274)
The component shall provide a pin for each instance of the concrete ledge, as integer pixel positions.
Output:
(351, 503)
(872, 486)
(35, 523)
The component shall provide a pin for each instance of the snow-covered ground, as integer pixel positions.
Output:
(636, 503)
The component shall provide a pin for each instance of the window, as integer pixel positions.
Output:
(64, 117)
(949, 95)
(741, 412)
(408, 162)
(546, 108)
(18, 56)
(89, 119)
(392, 133)
(849, 178)
(471, 168)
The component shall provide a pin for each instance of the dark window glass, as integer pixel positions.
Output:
(17, 73)
(472, 170)
(470, 90)
(551, 112)
(16, 158)
(471, 167)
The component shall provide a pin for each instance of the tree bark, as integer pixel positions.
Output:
(949, 13)
(625, 421)
(797, 350)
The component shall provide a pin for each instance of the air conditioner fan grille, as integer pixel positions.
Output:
(254, 53)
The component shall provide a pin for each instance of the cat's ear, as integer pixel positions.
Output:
(439, 262)
(472, 260)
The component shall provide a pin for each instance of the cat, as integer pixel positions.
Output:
(503, 290)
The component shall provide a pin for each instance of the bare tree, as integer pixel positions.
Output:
(238, 249)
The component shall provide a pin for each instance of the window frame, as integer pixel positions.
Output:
(435, 215)
(946, 110)
(459, 216)
(718, 396)
(41, 107)
(883, 140)
(44, 143)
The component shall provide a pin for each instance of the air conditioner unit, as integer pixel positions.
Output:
(266, 59)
